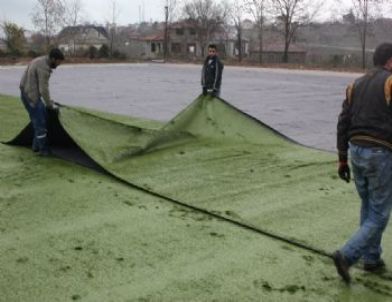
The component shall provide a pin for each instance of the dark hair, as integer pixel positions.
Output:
(213, 46)
(382, 54)
(56, 54)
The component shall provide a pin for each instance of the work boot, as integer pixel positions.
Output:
(378, 267)
(342, 266)
(35, 146)
(45, 153)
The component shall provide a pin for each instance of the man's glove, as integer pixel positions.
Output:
(344, 171)
(214, 93)
(204, 91)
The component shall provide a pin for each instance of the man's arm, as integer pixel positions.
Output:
(218, 75)
(43, 86)
(343, 127)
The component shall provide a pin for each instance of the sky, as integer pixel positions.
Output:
(99, 11)
(128, 11)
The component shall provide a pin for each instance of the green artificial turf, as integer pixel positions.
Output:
(71, 234)
(215, 158)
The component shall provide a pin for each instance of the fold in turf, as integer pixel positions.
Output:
(214, 157)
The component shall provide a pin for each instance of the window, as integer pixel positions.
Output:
(153, 47)
(176, 47)
(191, 48)
(180, 31)
(192, 31)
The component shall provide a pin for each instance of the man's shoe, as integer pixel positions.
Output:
(342, 266)
(378, 267)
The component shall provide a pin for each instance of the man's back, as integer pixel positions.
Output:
(371, 112)
(35, 80)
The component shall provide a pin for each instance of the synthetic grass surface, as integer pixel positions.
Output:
(213, 157)
(68, 233)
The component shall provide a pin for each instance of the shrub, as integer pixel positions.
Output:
(92, 52)
(119, 55)
(103, 52)
(32, 53)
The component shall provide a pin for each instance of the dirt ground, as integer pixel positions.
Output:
(302, 104)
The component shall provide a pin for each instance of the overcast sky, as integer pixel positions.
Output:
(129, 11)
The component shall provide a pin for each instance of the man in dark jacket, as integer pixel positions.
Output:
(34, 88)
(211, 74)
(365, 128)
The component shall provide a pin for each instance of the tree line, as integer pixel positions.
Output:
(206, 16)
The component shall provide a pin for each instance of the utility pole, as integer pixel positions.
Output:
(166, 37)
(112, 28)
(364, 32)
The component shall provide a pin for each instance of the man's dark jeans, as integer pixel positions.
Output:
(38, 117)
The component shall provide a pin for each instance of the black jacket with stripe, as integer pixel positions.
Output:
(211, 74)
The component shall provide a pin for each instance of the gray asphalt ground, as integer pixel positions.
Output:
(301, 104)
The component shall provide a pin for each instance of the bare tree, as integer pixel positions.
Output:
(170, 15)
(363, 10)
(291, 14)
(237, 15)
(257, 9)
(72, 17)
(112, 25)
(207, 17)
(73, 12)
(48, 16)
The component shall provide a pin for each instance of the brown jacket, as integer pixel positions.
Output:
(35, 81)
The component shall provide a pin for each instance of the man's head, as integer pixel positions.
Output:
(382, 56)
(56, 57)
(212, 52)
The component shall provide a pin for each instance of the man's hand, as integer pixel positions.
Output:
(344, 171)
(54, 108)
(214, 93)
(204, 91)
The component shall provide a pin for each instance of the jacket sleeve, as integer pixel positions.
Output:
(218, 75)
(343, 127)
(203, 75)
(43, 85)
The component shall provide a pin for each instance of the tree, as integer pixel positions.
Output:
(170, 15)
(362, 11)
(103, 52)
(72, 18)
(291, 14)
(111, 25)
(207, 17)
(48, 16)
(237, 14)
(14, 39)
(73, 12)
(257, 9)
(37, 43)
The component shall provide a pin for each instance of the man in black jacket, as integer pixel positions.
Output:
(211, 75)
(365, 128)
